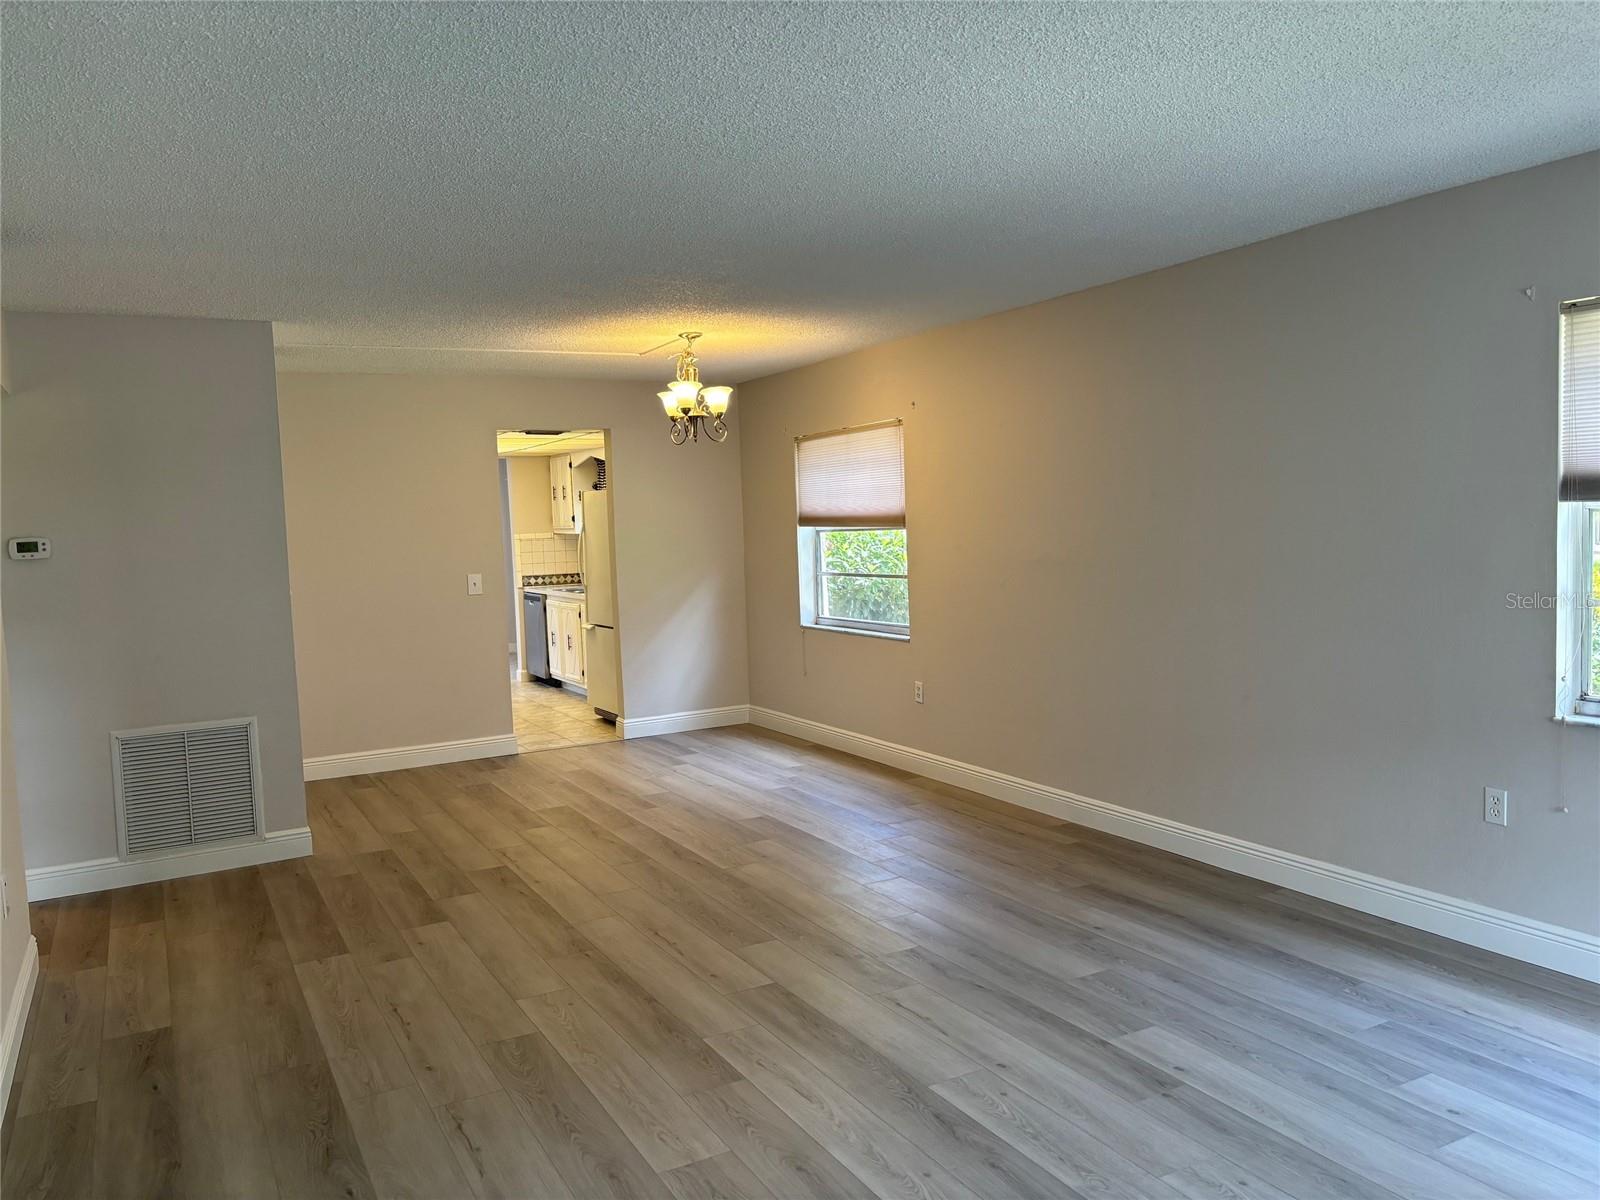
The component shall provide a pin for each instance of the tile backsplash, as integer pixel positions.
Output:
(546, 554)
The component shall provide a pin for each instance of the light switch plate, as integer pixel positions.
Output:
(474, 585)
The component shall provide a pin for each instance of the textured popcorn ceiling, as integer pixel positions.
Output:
(793, 180)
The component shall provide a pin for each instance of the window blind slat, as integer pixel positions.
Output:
(1580, 403)
(852, 479)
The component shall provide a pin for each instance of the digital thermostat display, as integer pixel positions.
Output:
(30, 547)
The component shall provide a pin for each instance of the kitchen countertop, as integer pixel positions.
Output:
(557, 591)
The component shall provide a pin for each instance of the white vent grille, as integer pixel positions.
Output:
(184, 786)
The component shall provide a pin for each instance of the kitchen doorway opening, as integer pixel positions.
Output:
(563, 661)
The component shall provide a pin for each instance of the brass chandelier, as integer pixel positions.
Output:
(692, 408)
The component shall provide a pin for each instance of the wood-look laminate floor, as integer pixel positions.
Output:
(727, 964)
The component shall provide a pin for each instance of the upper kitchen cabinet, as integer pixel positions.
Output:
(563, 495)
(571, 475)
(526, 481)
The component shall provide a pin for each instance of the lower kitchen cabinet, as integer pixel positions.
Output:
(565, 626)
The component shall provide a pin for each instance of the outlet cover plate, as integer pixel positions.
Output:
(1496, 806)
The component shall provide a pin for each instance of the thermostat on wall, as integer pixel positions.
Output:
(30, 547)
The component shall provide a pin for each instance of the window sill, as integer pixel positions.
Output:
(1579, 719)
(867, 633)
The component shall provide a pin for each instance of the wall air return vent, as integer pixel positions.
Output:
(186, 785)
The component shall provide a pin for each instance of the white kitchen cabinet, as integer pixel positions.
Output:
(571, 475)
(565, 622)
(563, 495)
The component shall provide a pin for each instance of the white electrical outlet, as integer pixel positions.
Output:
(1496, 806)
(474, 585)
(916, 691)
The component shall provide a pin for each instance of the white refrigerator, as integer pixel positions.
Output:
(602, 664)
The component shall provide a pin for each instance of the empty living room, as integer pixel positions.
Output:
(799, 601)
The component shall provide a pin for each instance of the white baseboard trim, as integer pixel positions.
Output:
(400, 758)
(103, 874)
(1565, 950)
(704, 718)
(17, 1018)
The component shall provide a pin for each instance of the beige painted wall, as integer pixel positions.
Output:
(147, 449)
(392, 497)
(1230, 543)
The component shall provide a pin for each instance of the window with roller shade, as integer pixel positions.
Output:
(1578, 489)
(851, 515)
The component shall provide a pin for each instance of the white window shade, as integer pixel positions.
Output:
(1580, 400)
(852, 478)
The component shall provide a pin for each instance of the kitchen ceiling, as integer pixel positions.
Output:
(516, 442)
(445, 186)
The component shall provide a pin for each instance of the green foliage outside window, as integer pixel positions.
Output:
(865, 552)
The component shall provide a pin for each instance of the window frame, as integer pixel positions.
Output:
(1574, 604)
(1578, 527)
(821, 575)
(1584, 702)
(813, 581)
(855, 487)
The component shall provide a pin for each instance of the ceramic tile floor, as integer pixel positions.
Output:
(545, 718)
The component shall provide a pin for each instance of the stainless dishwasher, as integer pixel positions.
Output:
(535, 640)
